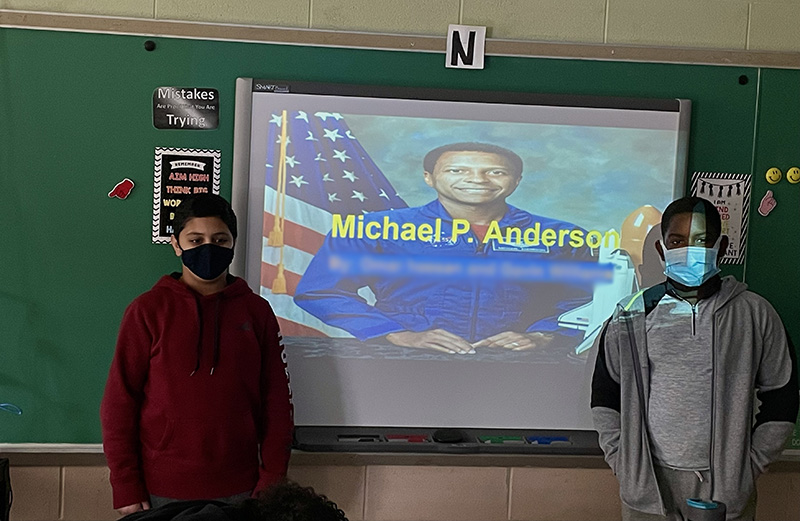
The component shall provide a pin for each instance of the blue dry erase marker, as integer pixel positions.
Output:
(548, 440)
(10, 407)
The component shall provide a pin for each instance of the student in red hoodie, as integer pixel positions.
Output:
(197, 404)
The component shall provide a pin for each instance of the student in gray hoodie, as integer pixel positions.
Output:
(678, 368)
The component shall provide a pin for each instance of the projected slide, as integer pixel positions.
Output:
(432, 234)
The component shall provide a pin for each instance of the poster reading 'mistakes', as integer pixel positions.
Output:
(179, 173)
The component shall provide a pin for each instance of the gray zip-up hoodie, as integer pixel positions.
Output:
(752, 356)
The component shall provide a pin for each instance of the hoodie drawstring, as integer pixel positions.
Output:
(200, 335)
(216, 335)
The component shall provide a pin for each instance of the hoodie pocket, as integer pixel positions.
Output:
(156, 433)
(230, 441)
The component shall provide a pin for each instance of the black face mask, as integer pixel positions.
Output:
(207, 261)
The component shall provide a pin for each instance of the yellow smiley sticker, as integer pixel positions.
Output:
(793, 175)
(773, 175)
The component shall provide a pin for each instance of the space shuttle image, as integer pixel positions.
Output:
(634, 268)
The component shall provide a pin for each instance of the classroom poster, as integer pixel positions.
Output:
(185, 108)
(179, 173)
(730, 193)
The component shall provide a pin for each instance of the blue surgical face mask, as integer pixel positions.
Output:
(207, 261)
(691, 265)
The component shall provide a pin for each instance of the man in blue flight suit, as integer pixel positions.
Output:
(441, 313)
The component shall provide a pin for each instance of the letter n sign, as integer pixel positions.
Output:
(465, 45)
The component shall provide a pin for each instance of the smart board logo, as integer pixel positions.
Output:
(270, 87)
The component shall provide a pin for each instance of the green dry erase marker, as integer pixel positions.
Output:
(501, 439)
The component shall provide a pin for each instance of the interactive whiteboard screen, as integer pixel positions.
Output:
(446, 258)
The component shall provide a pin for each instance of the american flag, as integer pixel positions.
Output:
(315, 167)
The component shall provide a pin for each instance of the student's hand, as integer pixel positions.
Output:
(435, 339)
(515, 341)
(136, 507)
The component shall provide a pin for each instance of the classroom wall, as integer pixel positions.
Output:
(51, 490)
(714, 24)
(450, 491)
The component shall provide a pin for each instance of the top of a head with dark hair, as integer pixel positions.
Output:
(203, 205)
(433, 156)
(288, 501)
(693, 205)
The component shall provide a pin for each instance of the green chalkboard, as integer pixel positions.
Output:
(76, 118)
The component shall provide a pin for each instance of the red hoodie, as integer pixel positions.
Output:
(196, 385)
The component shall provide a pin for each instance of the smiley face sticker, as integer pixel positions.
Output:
(793, 175)
(774, 175)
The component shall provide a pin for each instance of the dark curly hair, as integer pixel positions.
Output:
(288, 501)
